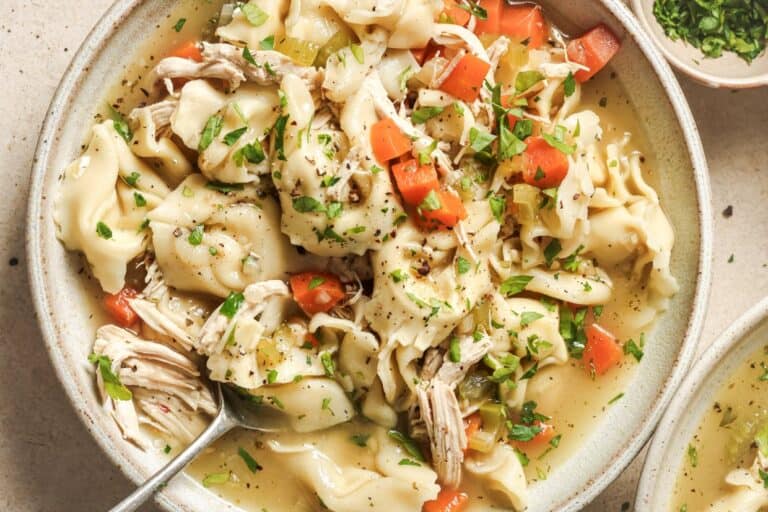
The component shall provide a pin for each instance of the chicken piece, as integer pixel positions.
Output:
(226, 62)
(440, 409)
(168, 376)
(259, 297)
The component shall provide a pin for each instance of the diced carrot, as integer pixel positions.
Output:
(415, 181)
(466, 79)
(316, 292)
(544, 166)
(189, 50)
(312, 340)
(601, 352)
(448, 500)
(524, 23)
(593, 50)
(472, 424)
(120, 309)
(455, 13)
(449, 212)
(388, 141)
(540, 440)
(491, 24)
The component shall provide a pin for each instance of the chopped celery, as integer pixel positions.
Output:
(301, 52)
(476, 386)
(494, 415)
(510, 63)
(341, 39)
(482, 441)
(527, 199)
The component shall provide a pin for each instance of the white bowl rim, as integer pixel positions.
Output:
(727, 341)
(89, 51)
(708, 79)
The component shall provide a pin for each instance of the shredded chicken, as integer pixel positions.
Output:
(258, 298)
(440, 409)
(160, 114)
(226, 62)
(171, 382)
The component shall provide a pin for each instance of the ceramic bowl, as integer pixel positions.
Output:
(65, 301)
(691, 402)
(726, 71)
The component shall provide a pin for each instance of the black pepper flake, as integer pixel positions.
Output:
(13, 261)
(728, 212)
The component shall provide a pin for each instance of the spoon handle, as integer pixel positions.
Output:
(220, 426)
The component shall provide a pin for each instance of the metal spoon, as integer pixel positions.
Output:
(234, 411)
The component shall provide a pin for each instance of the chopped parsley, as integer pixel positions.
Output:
(120, 124)
(408, 444)
(360, 440)
(271, 375)
(498, 206)
(327, 361)
(315, 282)
(250, 462)
(112, 385)
(132, 179)
(462, 265)
(454, 350)
(528, 317)
(234, 135)
(431, 202)
(630, 347)
(551, 251)
(103, 231)
(557, 140)
(139, 199)
(196, 235)
(527, 79)
(268, 43)
(279, 129)
(514, 285)
(179, 24)
(569, 85)
(224, 188)
(253, 153)
(357, 53)
(232, 304)
(398, 276)
(215, 479)
(424, 114)
(210, 132)
(693, 456)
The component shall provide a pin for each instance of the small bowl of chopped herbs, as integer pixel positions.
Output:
(720, 43)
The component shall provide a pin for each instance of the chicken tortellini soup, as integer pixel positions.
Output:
(725, 466)
(421, 229)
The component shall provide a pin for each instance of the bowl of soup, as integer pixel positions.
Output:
(464, 247)
(710, 452)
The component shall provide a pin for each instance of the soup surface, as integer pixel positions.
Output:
(725, 461)
(425, 232)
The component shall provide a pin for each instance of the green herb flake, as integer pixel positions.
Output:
(268, 43)
(616, 398)
(480, 139)
(431, 202)
(250, 462)
(522, 433)
(514, 285)
(693, 456)
(103, 231)
(210, 132)
(306, 204)
(248, 56)
(408, 444)
(167, 449)
(112, 385)
(569, 85)
(132, 179)
(279, 129)
(139, 199)
(398, 276)
(120, 124)
(408, 462)
(327, 361)
(630, 347)
(315, 282)
(196, 235)
(254, 14)
(360, 440)
(527, 79)
(498, 206)
(180, 24)
(424, 114)
(551, 251)
(271, 376)
(357, 53)
(528, 317)
(224, 188)
(462, 265)
(232, 304)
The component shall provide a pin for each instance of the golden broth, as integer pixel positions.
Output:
(715, 447)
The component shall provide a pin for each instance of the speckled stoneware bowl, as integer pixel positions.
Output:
(65, 301)
(727, 70)
(693, 399)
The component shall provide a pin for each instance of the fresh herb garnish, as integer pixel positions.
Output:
(179, 24)
(279, 128)
(462, 265)
(196, 235)
(514, 285)
(121, 125)
(224, 188)
(327, 361)
(232, 304)
(528, 317)
(139, 199)
(715, 26)
(454, 350)
(360, 440)
(103, 231)
(215, 479)
(498, 206)
(424, 114)
(569, 85)
(210, 132)
(268, 43)
(693, 456)
(527, 79)
(552, 250)
(357, 53)
(112, 385)
(234, 135)
(408, 444)
(630, 347)
(253, 466)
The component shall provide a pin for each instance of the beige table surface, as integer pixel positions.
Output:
(48, 462)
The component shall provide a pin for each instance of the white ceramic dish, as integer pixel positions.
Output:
(65, 302)
(726, 71)
(693, 399)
